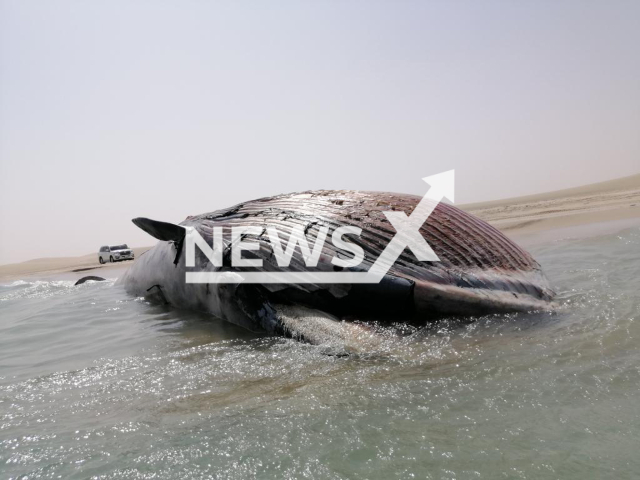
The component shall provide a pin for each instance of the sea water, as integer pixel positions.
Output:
(98, 384)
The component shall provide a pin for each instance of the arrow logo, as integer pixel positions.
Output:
(407, 227)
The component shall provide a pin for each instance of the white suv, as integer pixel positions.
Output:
(115, 253)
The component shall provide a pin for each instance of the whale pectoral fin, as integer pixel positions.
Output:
(306, 324)
(320, 328)
(90, 277)
(167, 232)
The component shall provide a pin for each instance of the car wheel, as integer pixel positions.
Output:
(111, 259)
(101, 260)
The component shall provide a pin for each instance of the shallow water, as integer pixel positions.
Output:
(96, 384)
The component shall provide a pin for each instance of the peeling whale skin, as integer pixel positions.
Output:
(480, 270)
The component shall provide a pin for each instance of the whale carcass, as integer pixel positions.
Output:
(479, 270)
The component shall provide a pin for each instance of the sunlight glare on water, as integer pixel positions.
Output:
(97, 384)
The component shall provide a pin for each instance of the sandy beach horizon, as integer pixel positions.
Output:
(616, 199)
(615, 202)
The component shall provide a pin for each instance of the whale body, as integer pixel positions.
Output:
(480, 269)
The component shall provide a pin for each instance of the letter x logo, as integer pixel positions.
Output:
(408, 227)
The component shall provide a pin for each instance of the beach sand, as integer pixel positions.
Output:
(580, 211)
(614, 200)
(65, 268)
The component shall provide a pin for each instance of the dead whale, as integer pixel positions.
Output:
(479, 270)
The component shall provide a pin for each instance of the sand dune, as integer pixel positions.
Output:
(612, 200)
(58, 265)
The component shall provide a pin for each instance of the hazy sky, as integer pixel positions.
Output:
(116, 109)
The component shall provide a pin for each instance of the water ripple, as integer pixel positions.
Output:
(95, 384)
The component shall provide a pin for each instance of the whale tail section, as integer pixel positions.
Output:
(167, 232)
(164, 231)
(90, 277)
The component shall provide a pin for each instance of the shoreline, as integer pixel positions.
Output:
(65, 268)
(593, 209)
(611, 200)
